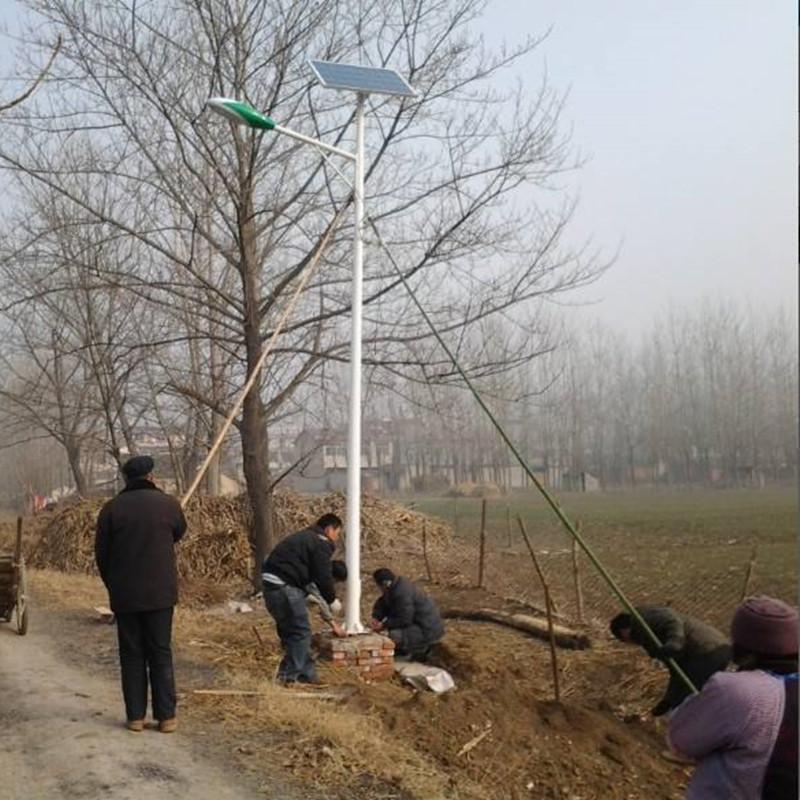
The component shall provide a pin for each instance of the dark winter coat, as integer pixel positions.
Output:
(404, 605)
(681, 636)
(696, 647)
(134, 548)
(301, 558)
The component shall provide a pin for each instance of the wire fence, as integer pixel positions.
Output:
(703, 577)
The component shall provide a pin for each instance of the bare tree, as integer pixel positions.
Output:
(445, 170)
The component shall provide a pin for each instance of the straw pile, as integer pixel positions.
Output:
(217, 545)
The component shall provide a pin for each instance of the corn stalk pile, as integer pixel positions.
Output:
(217, 544)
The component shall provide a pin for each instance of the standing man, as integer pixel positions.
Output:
(697, 648)
(300, 559)
(409, 617)
(135, 555)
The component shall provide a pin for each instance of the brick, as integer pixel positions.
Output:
(382, 672)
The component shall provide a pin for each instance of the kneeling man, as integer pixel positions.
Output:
(407, 615)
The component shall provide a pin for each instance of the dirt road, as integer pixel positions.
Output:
(61, 734)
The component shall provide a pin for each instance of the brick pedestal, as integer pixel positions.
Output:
(370, 655)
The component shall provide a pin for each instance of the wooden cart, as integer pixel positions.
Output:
(14, 586)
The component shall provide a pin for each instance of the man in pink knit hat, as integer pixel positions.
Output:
(742, 727)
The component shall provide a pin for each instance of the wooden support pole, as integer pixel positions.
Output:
(749, 576)
(508, 525)
(425, 549)
(251, 378)
(548, 607)
(482, 553)
(576, 574)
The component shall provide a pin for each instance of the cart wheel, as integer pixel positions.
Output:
(22, 602)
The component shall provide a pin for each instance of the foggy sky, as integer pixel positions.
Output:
(687, 112)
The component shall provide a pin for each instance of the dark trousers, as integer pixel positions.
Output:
(288, 608)
(414, 641)
(698, 669)
(145, 651)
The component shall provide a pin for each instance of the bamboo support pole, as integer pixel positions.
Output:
(548, 608)
(576, 575)
(540, 487)
(482, 552)
(310, 270)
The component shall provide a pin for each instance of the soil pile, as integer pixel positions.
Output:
(217, 546)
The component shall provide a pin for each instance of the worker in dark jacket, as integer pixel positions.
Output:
(408, 616)
(298, 560)
(135, 555)
(697, 648)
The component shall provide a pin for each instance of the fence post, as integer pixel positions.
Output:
(482, 555)
(749, 576)
(425, 549)
(548, 607)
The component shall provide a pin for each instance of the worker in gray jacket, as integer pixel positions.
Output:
(407, 615)
(697, 648)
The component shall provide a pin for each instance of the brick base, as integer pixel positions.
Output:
(370, 655)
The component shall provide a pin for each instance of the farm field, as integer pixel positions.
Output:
(387, 740)
(690, 548)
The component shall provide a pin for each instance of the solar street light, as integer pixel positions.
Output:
(363, 81)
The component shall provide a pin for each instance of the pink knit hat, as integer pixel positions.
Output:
(765, 626)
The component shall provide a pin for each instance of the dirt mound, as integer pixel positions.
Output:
(217, 546)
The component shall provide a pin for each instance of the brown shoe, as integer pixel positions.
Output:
(135, 725)
(168, 725)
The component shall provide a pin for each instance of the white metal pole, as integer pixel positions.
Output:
(353, 539)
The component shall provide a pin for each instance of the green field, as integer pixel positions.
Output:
(689, 548)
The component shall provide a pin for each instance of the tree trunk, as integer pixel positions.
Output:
(74, 459)
(255, 445)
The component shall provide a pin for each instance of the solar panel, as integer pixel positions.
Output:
(370, 80)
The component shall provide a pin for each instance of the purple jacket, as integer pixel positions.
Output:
(730, 729)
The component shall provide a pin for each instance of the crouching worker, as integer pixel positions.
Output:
(697, 648)
(407, 615)
(327, 610)
(298, 560)
(742, 727)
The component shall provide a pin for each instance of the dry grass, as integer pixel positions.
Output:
(319, 742)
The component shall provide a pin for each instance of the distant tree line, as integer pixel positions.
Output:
(707, 396)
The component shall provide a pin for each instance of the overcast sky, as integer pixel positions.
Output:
(687, 112)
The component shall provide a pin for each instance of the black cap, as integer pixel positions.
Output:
(383, 576)
(137, 467)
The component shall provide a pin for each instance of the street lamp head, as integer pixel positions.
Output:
(240, 113)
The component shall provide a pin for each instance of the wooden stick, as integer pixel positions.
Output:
(508, 525)
(577, 578)
(262, 358)
(18, 544)
(425, 549)
(247, 693)
(472, 743)
(258, 636)
(548, 608)
(482, 554)
(750, 567)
